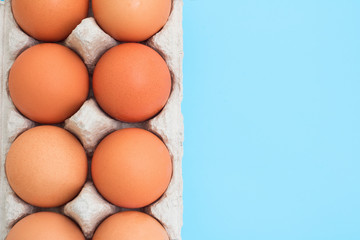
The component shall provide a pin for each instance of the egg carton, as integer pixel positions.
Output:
(90, 124)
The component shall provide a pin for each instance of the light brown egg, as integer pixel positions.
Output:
(131, 82)
(43, 226)
(131, 168)
(46, 166)
(131, 20)
(49, 21)
(48, 83)
(130, 225)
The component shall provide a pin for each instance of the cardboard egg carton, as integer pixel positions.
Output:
(90, 124)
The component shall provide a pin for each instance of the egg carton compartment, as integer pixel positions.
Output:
(90, 124)
(89, 209)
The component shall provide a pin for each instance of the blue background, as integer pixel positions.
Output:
(272, 119)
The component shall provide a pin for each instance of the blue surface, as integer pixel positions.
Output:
(272, 120)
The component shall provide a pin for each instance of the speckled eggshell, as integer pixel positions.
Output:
(45, 225)
(131, 82)
(131, 20)
(48, 83)
(130, 225)
(49, 21)
(131, 168)
(46, 166)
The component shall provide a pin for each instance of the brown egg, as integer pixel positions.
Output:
(48, 83)
(46, 166)
(130, 225)
(43, 226)
(49, 21)
(131, 168)
(131, 20)
(131, 82)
